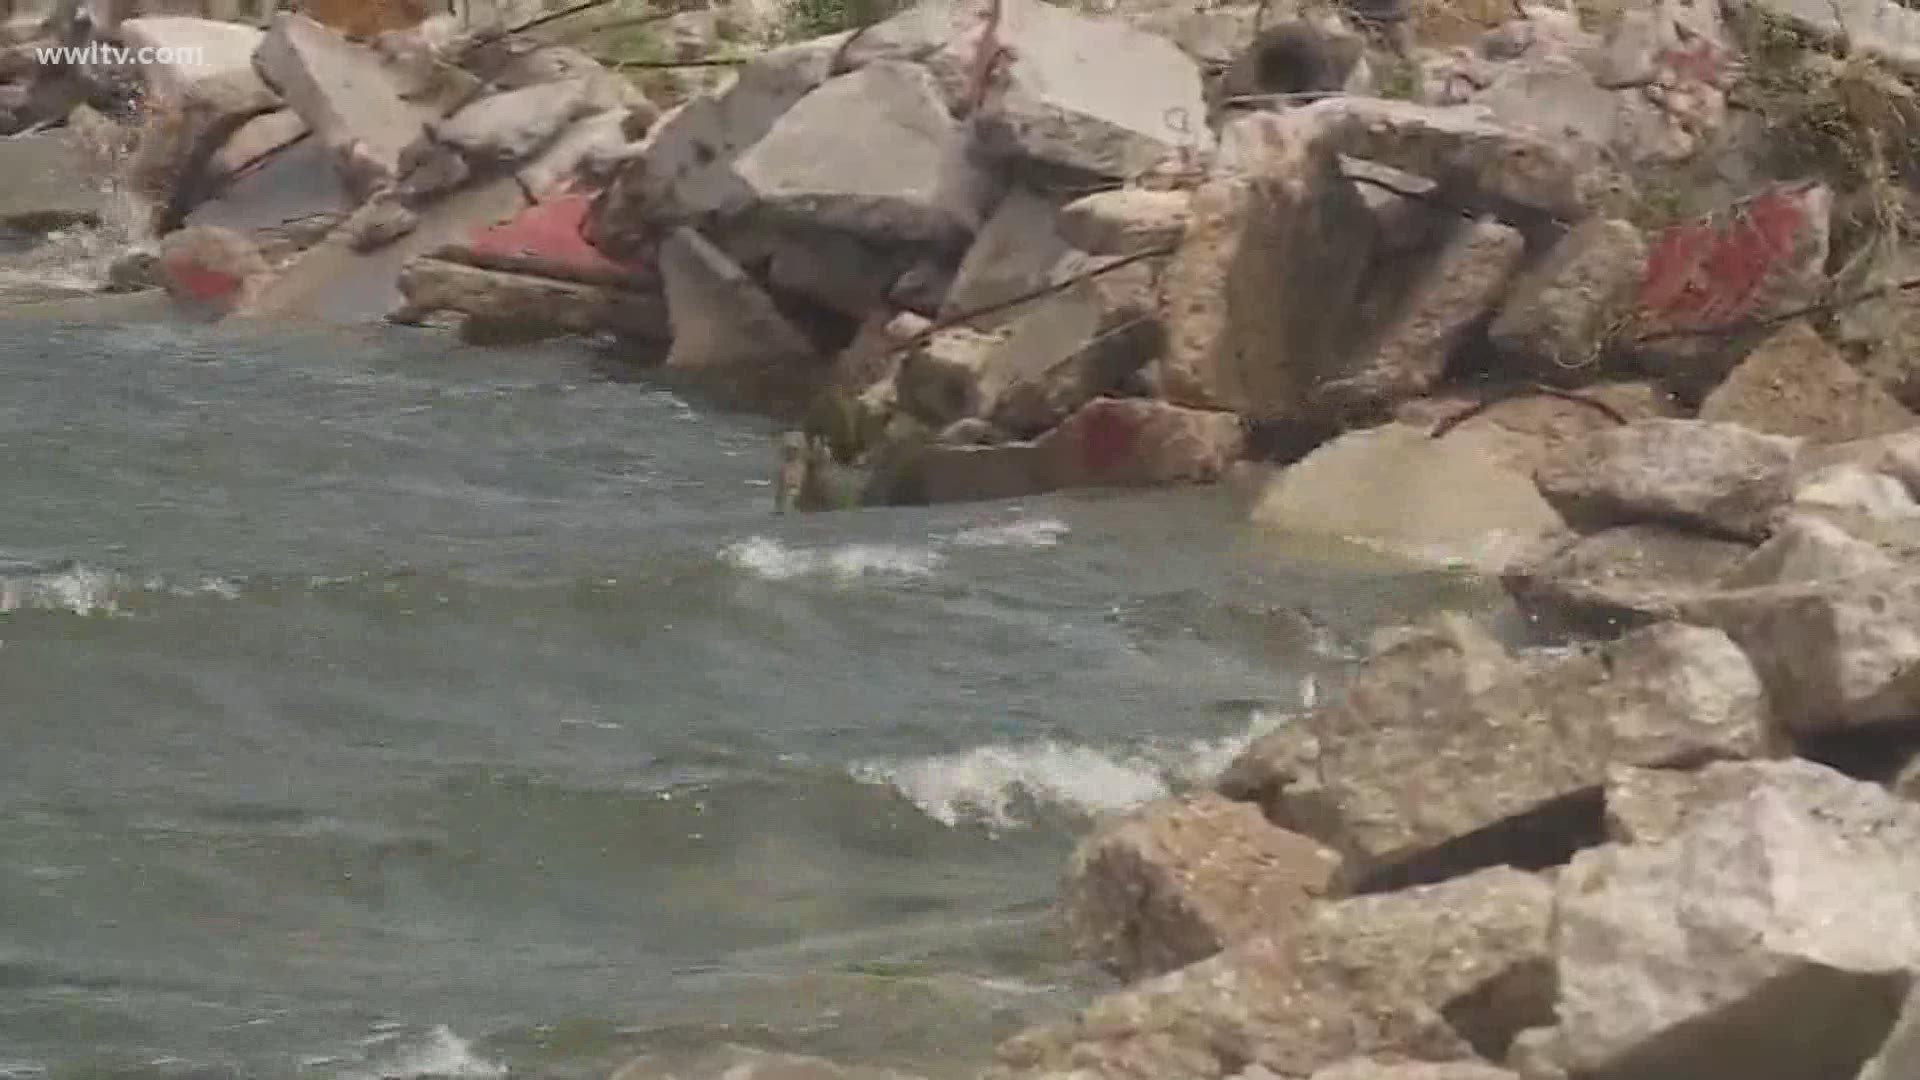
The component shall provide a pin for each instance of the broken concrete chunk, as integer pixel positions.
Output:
(1182, 879)
(1804, 548)
(344, 92)
(816, 164)
(513, 126)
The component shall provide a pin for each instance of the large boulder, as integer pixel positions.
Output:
(1418, 337)
(590, 148)
(1619, 578)
(1179, 880)
(344, 92)
(1796, 384)
(1434, 973)
(729, 338)
(510, 127)
(1374, 1069)
(1776, 933)
(515, 306)
(683, 169)
(1430, 500)
(1885, 31)
(1259, 296)
(1050, 85)
(1556, 321)
(1382, 783)
(1835, 655)
(1718, 479)
(1017, 252)
(818, 163)
(253, 142)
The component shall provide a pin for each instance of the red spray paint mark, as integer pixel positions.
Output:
(549, 236)
(1708, 272)
(1108, 433)
(197, 282)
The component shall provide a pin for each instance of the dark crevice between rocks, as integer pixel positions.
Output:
(1491, 1015)
(1546, 836)
(1811, 1023)
(1876, 753)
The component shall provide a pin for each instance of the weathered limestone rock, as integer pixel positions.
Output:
(343, 91)
(816, 164)
(512, 305)
(1259, 296)
(1855, 493)
(1182, 879)
(513, 126)
(1833, 654)
(1619, 578)
(1386, 790)
(1796, 384)
(1433, 973)
(1561, 312)
(1805, 549)
(430, 169)
(1127, 221)
(211, 269)
(1715, 478)
(1762, 257)
(684, 168)
(1412, 1070)
(1652, 806)
(1775, 934)
(1446, 501)
(728, 337)
(1451, 296)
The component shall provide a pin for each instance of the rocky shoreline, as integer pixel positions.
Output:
(1624, 288)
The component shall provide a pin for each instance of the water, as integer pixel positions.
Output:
(372, 706)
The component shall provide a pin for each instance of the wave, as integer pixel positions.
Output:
(772, 560)
(438, 1052)
(1024, 532)
(89, 590)
(1007, 786)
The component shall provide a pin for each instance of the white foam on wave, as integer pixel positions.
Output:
(90, 590)
(772, 560)
(1022, 532)
(439, 1052)
(999, 785)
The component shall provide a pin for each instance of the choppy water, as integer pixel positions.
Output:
(371, 706)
